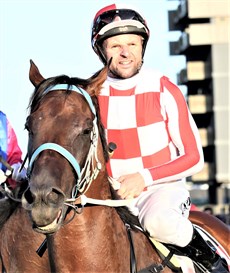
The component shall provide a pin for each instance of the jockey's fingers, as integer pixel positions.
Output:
(121, 191)
(129, 197)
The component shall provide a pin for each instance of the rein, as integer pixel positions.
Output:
(83, 199)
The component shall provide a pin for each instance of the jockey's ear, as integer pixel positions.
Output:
(34, 75)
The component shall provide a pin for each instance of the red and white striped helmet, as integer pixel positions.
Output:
(105, 25)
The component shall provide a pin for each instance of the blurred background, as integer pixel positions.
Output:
(189, 42)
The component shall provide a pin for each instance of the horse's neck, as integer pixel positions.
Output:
(100, 187)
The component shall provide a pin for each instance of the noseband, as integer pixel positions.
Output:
(89, 172)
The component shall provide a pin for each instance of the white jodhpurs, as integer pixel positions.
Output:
(163, 211)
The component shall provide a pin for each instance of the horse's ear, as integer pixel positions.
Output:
(34, 75)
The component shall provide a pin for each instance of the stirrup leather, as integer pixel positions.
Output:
(165, 252)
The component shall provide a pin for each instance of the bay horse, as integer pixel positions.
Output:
(69, 205)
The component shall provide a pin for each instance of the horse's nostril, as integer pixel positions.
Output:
(55, 196)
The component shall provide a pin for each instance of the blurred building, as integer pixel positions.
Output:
(205, 43)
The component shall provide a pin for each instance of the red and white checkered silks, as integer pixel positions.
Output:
(148, 119)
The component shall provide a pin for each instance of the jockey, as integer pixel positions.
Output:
(10, 153)
(158, 142)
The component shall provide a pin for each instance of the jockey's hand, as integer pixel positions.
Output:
(16, 175)
(132, 185)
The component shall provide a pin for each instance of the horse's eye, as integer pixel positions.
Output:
(86, 131)
(27, 127)
(28, 130)
(28, 124)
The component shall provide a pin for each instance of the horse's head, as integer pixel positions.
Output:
(65, 148)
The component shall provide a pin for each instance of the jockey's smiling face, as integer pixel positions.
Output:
(126, 53)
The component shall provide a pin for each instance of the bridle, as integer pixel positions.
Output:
(92, 165)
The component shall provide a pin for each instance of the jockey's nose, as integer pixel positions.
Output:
(125, 50)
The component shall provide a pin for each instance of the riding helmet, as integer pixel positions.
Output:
(114, 20)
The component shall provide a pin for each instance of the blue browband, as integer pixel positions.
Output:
(73, 88)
